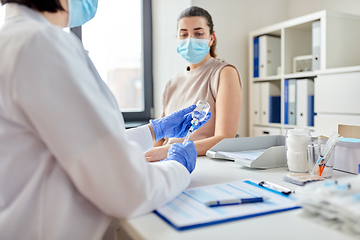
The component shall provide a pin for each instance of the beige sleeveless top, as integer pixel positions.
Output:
(188, 87)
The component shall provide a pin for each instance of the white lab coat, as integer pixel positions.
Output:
(67, 165)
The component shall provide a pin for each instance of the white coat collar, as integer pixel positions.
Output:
(14, 10)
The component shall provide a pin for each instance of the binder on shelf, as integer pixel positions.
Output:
(274, 111)
(269, 55)
(268, 90)
(304, 88)
(316, 45)
(256, 57)
(266, 151)
(311, 110)
(256, 95)
(292, 101)
(286, 101)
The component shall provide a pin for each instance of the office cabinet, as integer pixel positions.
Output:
(338, 93)
(332, 41)
(265, 131)
(327, 123)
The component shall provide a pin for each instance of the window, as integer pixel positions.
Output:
(2, 15)
(119, 43)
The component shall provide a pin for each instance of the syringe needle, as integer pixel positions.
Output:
(189, 133)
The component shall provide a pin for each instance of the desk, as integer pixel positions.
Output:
(294, 224)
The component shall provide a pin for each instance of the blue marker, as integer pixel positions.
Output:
(235, 201)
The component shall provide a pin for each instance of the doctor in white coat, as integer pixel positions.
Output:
(67, 165)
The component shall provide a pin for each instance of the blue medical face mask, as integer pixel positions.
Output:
(193, 50)
(81, 11)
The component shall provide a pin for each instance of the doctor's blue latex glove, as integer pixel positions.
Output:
(184, 154)
(177, 124)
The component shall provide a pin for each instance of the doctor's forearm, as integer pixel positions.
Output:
(152, 131)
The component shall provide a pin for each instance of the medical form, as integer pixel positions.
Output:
(188, 210)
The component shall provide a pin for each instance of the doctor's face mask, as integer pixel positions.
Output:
(81, 11)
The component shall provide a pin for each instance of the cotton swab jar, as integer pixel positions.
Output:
(296, 143)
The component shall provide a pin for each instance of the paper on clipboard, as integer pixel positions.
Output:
(188, 210)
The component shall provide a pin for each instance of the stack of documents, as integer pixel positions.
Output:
(189, 210)
(253, 152)
(245, 155)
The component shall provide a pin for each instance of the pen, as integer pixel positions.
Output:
(235, 201)
(276, 187)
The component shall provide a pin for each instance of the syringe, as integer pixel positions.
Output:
(325, 153)
(199, 114)
(189, 133)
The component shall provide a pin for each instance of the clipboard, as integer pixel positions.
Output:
(188, 210)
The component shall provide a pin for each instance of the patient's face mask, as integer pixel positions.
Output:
(81, 11)
(193, 50)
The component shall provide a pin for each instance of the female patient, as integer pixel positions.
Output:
(206, 78)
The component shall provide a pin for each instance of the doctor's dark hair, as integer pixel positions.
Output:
(200, 12)
(40, 5)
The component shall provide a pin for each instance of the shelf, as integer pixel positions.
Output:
(278, 125)
(287, 126)
(301, 75)
(289, 23)
(297, 42)
(270, 78)
(340, 70)
(308, 74)
(337, 37)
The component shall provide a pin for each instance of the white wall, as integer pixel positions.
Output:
(297, 8)
(166, 61)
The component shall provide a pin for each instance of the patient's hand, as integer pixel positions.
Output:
(157, 153)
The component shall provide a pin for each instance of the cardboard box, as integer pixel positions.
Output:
(347, 152)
